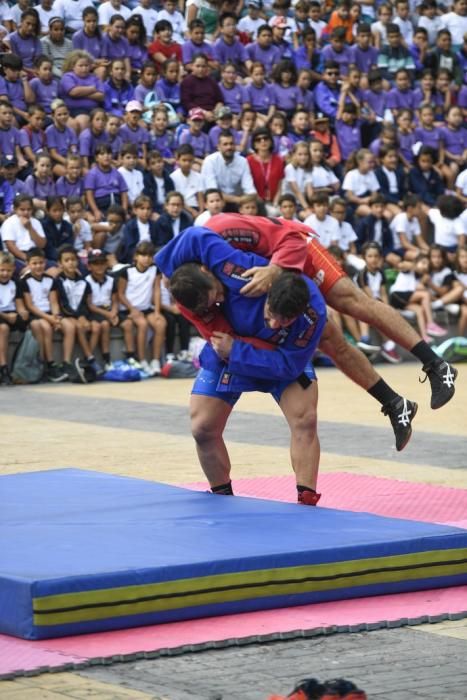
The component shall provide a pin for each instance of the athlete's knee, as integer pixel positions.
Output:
(205, 427)
(304, 422)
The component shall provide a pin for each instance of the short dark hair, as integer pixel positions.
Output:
(145, 248)
(185, 149)
(393, 29)
(161, 25)
(289, 295)
(35, 253)
(64, 249)
(190, 286)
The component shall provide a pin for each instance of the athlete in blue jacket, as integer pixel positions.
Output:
(289, 321)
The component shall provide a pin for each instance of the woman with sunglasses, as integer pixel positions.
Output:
(267, 169)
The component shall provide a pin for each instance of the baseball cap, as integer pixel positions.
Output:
(222, 112)
(320, 117)
(255, 3)
(134, 106)
(97, 255)
(280, 22)
(196, 113)
(7, 161)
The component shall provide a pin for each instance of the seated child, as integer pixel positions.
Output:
(102, 304)
(138, 229)
(13, 314)
(214, 203)
(173, 220)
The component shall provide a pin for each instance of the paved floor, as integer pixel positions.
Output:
(142, 430)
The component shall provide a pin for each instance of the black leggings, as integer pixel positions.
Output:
(184, 328)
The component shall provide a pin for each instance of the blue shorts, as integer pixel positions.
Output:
(206, 383)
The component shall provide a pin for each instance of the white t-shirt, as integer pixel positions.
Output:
(106, 10)
(149, 17)
(319, 27)
(401, 224)
(299, 176)
(13, 230)
(405, 282)
(45, 16)
(322, 177)
(327, 230)
(406, 28)
(143, 231)
(447, 231)
(346, 235)
(202, 218)
(457, 25)
(134, 182)
(432, 26)
(250, 26)
(461, 182)
(360, 184)
(178, 23)
(188, 185)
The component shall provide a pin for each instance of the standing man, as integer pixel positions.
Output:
(275, 337)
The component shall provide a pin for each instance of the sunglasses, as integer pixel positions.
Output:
(262, 138)
(332, 72)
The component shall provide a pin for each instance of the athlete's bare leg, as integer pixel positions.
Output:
(345, 297)
(208, 418)
(351, 361)
(299, 407)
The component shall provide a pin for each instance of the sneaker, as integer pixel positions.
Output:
(436, 331)
(134, 364)
(170, 357)
(57, 372)
(183, 355)
(109, 366)
(366, 345)
(437, 305)
(442, 376)
(5, 377)
(401, 413)
(453, 309)
(97, 367)
(155, 367)
(145, 366)
(308, 498)
(391, 356)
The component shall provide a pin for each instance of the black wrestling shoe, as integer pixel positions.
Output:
(442, 376)
(401, 413)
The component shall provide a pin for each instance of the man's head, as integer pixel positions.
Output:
(226, 145)
(288, 298)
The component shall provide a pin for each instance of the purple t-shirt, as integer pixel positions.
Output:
(116, 144)
(214, 133)
(65, 188)
(200, 143)
(34, 188)
(235, 52)
(436, 98)
(164, 143)
(91, 44)
(169, 92)
(14, 90)
(104, 183)
(377, 101)
(343, 58)
(428, 137)
(286, 98)
(268, 57)
(64, 142)
(462, 98)
(88, 142)
(9, 139)
(233, 97)
(364, 60)
(69, 81)
(138, 136)
(398, 99)
(455, 140)
(307, 100)
(112, 49)
(32, 139)
(45, 93)
(141, 92)
(137, 55)
(349, 137)
(260, 99)
(189, 49)
(406, 141)
(27, 49)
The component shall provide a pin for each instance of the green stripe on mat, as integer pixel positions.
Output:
(170, 595)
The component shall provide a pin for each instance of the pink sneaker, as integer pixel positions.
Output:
(435, 330)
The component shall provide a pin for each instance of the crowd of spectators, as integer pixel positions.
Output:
(122, 124)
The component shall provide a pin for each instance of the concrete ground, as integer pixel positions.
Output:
(142, 430)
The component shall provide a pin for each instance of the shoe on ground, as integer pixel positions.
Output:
(453, 309)
(437, 305)
(391, 356)
(170, 357)
(134, 364)
(401, 413)
(57, 372)
(109, 366)
(146, 368)
(366, 345)
(442, 376)
(97, 367)
(5, 377)
(183, 355)
(308, 498)
(155, 367)
(435, 331)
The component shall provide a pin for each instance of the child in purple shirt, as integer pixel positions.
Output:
(427, 134)
(304, 80)
(136, 36)
(60, 138)
(196, 44)
(92, 137)
(259, 95)
(25, 41)
(44, 86)
(454, 139)
(146, 83)
(115, 141)
(337, 51)
(401, 96)
(115, 45)
(348, 128)
(40, 185)
(262, 50)
(9, 135)
(406, 137)
(195, 136)
(132, 132)
(15, 88)
(104, 185)
(71, 184)
(227, 47)
(89, 38)
(224, 118)
(232, 92)
(32, 136)
(118, 90)
(168, 87)
(287, 96)
(161, 138)
(80, 89)
(363, 55)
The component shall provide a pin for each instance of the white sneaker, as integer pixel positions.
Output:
(108, 366)
(155, 368)
(437, 305)
(170, 357)
(134, 364)
(183, 355)
(453, 309)
(145, 366)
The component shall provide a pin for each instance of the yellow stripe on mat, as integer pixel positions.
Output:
(170, 595)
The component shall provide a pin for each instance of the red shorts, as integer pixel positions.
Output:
(321, 267)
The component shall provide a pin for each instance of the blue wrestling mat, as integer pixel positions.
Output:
(83, 552)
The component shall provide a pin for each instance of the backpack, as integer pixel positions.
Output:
(27, 366)
(81, 372)
(453, 349)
